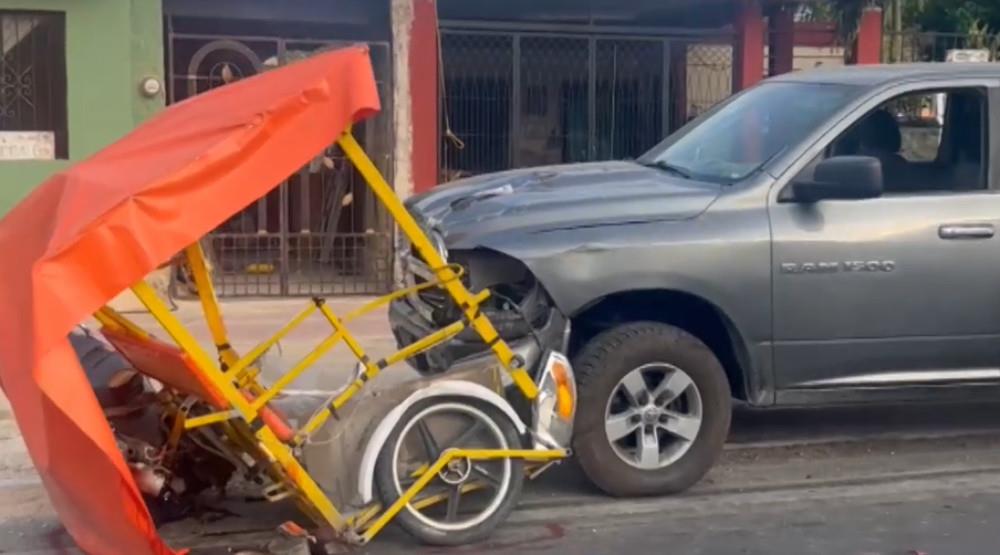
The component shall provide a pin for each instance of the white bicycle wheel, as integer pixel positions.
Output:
(467, 499)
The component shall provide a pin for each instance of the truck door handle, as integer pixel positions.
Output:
(966, 231)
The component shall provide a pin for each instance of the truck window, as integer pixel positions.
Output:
(928, 141)
(732, 142)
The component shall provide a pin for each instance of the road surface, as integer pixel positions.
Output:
(887, 481)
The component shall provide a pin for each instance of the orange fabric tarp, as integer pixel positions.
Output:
(90, 232)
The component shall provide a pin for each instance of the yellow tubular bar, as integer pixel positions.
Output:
(432, 340)
(208, 419)
(111, 318)
(473, 454)
(243, 363)
(349, 339)
(365, 516)
(259, 350)
(317, 421)
(210, 303)
(360, 521)
(371, 371)
(268, 443)
(297, 370)
(177, 430)
(442, 270)
(425, 502)
(105, 318)
(320, 350)
(399, 294)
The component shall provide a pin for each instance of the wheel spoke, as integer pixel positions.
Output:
(672, 387)
(467, 434)
(635, 387)
(649, 450)
(487, 475)
(682, 425)
(620, 425)
(454, 495)
(428, 441)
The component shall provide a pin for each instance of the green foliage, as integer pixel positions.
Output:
(948, 16)
(954, 16)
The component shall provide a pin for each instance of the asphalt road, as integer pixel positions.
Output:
(896, 480)
(954, 514)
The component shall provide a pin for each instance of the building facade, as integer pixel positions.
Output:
(72, 77)
(467, 87)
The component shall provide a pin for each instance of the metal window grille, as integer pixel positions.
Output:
(33, 75)
(709, 77)
(519, 99)
(630, 107)
(322, 231)
(478, 99)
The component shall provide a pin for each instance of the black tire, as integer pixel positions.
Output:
(606, 360)
(385, 481)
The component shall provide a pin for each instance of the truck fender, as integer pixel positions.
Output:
(443, 388)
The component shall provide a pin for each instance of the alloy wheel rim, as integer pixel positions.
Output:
(653, 416)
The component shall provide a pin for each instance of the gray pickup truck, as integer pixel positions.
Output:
(824, 237)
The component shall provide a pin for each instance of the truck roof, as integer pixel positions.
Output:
(875, 75)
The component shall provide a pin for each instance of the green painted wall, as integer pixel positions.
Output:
(111, 45)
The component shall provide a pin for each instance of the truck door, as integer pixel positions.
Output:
(903, 289)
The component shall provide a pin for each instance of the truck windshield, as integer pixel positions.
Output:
(740, 137)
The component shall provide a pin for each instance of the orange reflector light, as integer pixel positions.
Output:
(564, 403)
(564, 390)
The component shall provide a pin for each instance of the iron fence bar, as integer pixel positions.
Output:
(262, 214)
(284, 223)
(305, 184)
(284, 235)
(274, 38)
(171, 60)
(665, 90)
(592, 98)
(568, 29)
(513, 152)
(51, 43)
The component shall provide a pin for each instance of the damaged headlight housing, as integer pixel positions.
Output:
(439, 245)
(555, 406)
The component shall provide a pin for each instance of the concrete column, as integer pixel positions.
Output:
(748, 45)
(402, 26)
(781, 41)
(868, 48)
(424, 81)
(415, 94)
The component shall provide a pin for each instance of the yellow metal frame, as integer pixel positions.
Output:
(235, 376)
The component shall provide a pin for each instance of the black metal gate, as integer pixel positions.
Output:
(322, 231)
(517, 99)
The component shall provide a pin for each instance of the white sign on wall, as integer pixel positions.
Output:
(974, 56)
(27, 145)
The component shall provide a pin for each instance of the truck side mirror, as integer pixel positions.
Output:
(841, 178)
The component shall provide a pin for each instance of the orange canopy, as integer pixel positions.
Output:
(90, 232)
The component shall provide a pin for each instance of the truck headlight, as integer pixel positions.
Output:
(555, 406)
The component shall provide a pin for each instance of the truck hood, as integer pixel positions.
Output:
(559, 197)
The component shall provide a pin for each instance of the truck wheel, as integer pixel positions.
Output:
(654, 409)
(473, 497)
